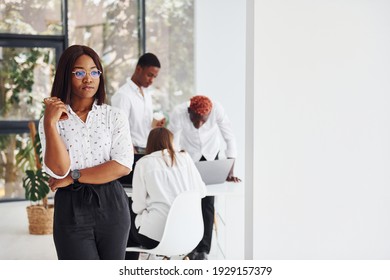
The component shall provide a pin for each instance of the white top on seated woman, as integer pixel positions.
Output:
(158, 178)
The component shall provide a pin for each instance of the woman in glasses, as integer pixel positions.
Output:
(159, 177)
(86, 146)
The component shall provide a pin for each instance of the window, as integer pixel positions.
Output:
(33, 34)
(34, 17)
(111, 29)
(26, 76)
(169, 26)
(31, 39)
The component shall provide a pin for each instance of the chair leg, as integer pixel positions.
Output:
(215, 223)
(165, 258)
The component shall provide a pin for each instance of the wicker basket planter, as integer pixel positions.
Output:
(40, 219)
(36, 186)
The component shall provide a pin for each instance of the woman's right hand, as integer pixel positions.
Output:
(55, 110)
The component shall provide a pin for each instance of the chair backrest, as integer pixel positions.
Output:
(184, 227)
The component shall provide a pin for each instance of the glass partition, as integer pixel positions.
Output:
(12, 166)
(112, 31)
(38, 17)
(170, 35)
(26, 75)
(33, 35)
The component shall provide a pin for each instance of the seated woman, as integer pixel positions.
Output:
(159, 177)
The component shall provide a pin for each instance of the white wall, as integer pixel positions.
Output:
(220, 74)
(321, 129)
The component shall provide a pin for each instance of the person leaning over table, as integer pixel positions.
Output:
(196, 125)
(86, 146)
(160, 176)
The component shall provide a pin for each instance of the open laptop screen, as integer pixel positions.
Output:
(215, 171)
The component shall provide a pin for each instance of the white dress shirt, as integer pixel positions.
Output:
(138, 109)
(156, 184)
(206, 140)
(104, 136)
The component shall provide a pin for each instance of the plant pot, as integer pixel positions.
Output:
(40, 219)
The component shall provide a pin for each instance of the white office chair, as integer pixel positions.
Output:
(183, 229)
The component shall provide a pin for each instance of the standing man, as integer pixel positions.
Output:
(135, 99)
(196, 126)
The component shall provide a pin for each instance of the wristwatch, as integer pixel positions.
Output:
(75, 174)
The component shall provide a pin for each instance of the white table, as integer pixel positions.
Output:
(226, 188)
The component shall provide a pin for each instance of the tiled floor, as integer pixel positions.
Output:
(17, 244)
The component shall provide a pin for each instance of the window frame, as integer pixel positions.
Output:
(57, 42)
(27, 41)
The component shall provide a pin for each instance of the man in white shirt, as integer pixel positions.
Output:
(196, 125)
(135, 99)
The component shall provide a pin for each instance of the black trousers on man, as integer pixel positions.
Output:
(208, 221)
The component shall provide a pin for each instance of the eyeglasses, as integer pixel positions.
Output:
(80, 74)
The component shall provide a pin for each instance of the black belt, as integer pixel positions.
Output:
(87, 192)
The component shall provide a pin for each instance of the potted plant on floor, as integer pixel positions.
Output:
(40, 212)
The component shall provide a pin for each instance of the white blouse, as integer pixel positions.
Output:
(156, 184)
(104, 136)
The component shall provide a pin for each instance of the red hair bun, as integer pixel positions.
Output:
(201, 105)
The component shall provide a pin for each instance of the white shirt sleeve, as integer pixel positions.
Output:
(225, 127)
(42, 138)
(139, 192)
(121, 147)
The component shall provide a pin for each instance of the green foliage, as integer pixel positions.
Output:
(4, 141)
(38, 146)
(35, 185)
(25, 158)
(22, 74)
(17, 79)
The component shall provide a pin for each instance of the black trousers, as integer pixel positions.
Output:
(91, 222)
(208, 221)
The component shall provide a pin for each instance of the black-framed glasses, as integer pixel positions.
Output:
(80, 74)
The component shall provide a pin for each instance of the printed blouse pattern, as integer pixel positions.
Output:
(104, 136)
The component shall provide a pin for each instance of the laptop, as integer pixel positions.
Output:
(215, 171)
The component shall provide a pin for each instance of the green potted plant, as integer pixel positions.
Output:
(35, 183)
